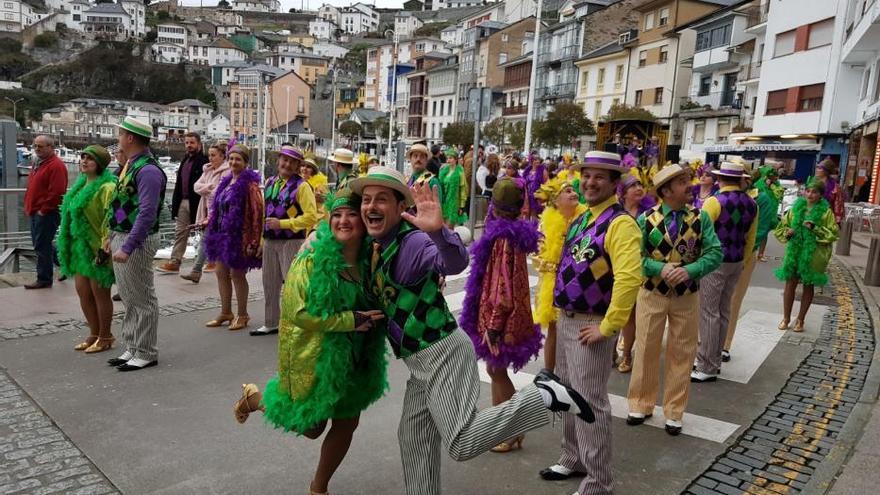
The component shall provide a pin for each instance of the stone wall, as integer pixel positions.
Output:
(603, 27)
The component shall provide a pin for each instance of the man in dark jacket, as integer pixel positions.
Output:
(185, 201)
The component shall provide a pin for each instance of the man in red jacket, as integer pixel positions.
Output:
(47, 184)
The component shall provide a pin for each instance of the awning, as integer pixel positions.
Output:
(729, 148)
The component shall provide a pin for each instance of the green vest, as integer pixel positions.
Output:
(658, 245)
(124, 208)
(417, 314)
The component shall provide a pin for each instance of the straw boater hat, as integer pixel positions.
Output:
(385, 177)
(668, 173)
(291, 152)
(601, 160)
(417, 148)
(731, 169)
(136, 126)
(308, 162)
(342, 155)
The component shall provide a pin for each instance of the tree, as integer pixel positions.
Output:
(517, 135)
(380, 128)
(459, 133)
(350, 129)
(563, 124)
(223, 4)
(356, 58)
(496, 131)
(48, 39)
(622, 111)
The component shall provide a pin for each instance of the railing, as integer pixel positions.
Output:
(559, 90)
(756, 15)
(515, 110)
(749, 72)
(711, 101)
(12, 258)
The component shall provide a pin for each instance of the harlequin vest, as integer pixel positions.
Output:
(417, 314)
(278, 201)
(738, 211)
(686, 249)
(125, 207)
(585, 277)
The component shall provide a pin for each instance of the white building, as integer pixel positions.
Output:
(329, 13)
(456, 4)
(602, 76)
(256, 5)
(405, 23)
(73, 12)
(380, 63)
(184, 116)
(15, 15)
(329, 50)
(442, 98)
(219, 51)
(223, 74)
(358, 18)
(108, 21)
(218, 127)
(322, 29)
(137, 11)
(452, 35)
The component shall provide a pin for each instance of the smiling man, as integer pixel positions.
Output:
(410, 254)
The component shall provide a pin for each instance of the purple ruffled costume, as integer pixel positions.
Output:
(534, 177)
(236, 221)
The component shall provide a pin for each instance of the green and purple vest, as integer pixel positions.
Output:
(738, 211)
(687, 248)
(125, 207)
(278, 201)
(585, 277)
(417, 314)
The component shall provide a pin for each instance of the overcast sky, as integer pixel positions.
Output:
(314, 4)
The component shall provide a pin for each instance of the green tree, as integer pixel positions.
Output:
(356, 58)
(459, 133)
(14, 63)
(223, 4)
(517, 135)
(380, 128)
(622, 111)
(563, 124)
(350, 129)
(496, 131)
(48, 39)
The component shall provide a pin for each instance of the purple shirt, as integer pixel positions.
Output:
(150, 181)
(185, 170)
(420, 253)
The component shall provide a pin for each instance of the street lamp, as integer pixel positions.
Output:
(393, 90)
(335, 74)
(14, 103)
(533, 77)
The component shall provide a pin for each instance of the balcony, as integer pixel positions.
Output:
(862, 38)
(718, 104)
(565, 91)
(515, 110)
(749, 72)
(756, 16)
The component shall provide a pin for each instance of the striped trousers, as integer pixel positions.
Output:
(742, 285)
(440, 409)
(586, 447)
(716, 292)
(278, 254)
(683, 314)
(134, 278)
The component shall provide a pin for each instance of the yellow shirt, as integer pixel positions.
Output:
(713, 207)
(623, 243)
(306, 199)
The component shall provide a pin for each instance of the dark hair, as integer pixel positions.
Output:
(194, 135)
(730, 180)
(615, 175)
(141, 140)
(435, 149)
(398, 195)
(665, 187)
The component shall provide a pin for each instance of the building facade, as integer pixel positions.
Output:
(442, 98)
(602, 80)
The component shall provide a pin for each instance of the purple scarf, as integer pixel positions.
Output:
(223, 238)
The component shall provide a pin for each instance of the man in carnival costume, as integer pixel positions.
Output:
(344, 160)
(410, 252)
(597, 280)
(418, 160)
(679, 247)
(735, 215)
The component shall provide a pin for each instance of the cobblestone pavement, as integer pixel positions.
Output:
(69, 324)
(35, 455)
(784, 445)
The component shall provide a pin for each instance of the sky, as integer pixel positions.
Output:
(314, 4)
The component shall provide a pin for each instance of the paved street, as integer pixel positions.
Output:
(68, 422)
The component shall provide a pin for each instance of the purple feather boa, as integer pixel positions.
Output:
(223, 238)
(524, 236)
(533, 183)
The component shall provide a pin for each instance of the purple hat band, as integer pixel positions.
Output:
(601, 161)
(292, 153)
(730, 171)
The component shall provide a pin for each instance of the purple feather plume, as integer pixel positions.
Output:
(223, 238)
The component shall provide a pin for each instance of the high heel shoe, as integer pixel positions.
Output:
(798, 326)
(90, 340)
(626, 364)
(784, 324)
(239, 322)
(248, 403)
(220, 320)
(101, 345)
(509, 446)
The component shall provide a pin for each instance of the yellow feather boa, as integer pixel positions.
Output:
(554, 227)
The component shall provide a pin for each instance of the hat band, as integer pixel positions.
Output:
(730, 171)
(387, 178)
(601, 161)
(296, 155)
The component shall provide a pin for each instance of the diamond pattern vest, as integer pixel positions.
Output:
(585, 277)
(686, 249)
(277, 204)
(417, 314)
(125, 206)
(738, 212)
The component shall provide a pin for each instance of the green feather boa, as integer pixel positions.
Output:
(76, 238)
(801, 248)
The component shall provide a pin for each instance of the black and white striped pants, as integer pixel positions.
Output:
(716, 293)
(440, 407)
(134, 278)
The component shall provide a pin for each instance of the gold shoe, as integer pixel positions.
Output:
(220, 320)
(509, 445)
(90, 340)
(798, 326)
(626, 364)
(248, 403)
(783, 325)
(101, 345)
(239, 322)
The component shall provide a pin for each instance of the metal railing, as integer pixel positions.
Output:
(756, 15)
(514, 110)
(711, 101)
(749, 72)
(12, 258)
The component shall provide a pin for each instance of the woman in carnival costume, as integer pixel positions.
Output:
(643, 174)
(497, 309)
(80, 238)
(706, 186)
(331, 357)
(534, 175)
(631, 194)
(824, 172)
(234, 235)
(770, 194)
(808, 229)
(454, 185)
(318, 181)
(561, 207)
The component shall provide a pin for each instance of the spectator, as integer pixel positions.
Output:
(47, 184)
(185, 200)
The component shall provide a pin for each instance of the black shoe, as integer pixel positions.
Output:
(548, 474)
(635, 420)
(117, 297)
(130, 367)
(672, 430)
(38, 285)
(116, 361)
(62, 278)
(725, 356)
(559, 397)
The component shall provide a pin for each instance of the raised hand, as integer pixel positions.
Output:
(429, 215)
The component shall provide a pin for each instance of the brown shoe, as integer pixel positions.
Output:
(168, 267)
(38, 285)
(248, 403)
(625, 365)
(90, 341)
(101, 345)
(210, 268)
(239, 322)
(193, 277)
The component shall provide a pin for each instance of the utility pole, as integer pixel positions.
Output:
(393, 93)
(530, 112)
(333, 111)
(14, 106)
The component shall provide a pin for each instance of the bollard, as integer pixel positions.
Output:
(872, 267)
(843, 243)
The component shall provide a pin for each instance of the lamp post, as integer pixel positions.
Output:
(14, 106)
(333, 111)
(532, 78)
(287, 116)
(393, 92)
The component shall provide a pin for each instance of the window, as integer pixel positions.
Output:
(643, 58)
(502, 58)
(449, 107)
(723, 130)
(649, 21)
(877, 81)
(434, 108)
(866, 82)
(638, 98)
(776, 102)
(300, 104)
(618, 77)
(615, 102)
(600, 80)
(504, 37)
(597, 110)
(713, 38)
(784, 43)
(699, 131)
(664, 54)
(810, 98)
(664, 16)
(658, 96)
(820, 33)
(705, 85)
(585, 77)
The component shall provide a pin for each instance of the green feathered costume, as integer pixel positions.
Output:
(808, 251)
(325, 369)
(455, 194)
(768, 199)
(83, 227)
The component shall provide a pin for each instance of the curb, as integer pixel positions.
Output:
(826, 474)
